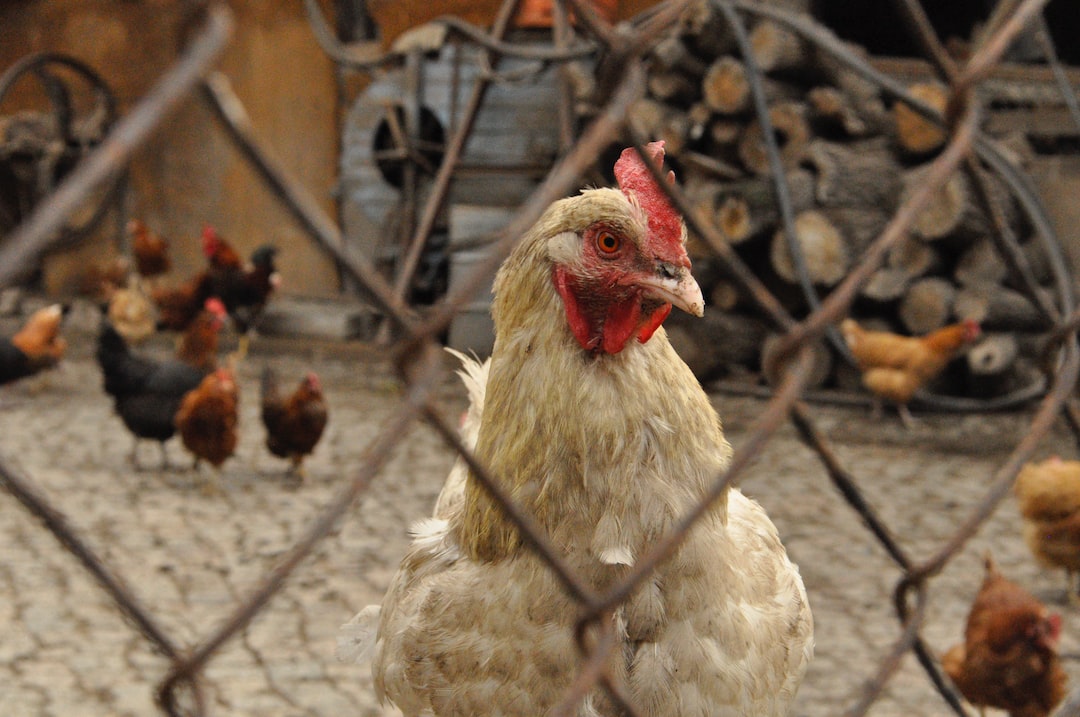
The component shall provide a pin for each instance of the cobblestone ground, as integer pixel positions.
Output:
(191, 557)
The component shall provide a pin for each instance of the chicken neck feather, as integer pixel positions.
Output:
(627, 441)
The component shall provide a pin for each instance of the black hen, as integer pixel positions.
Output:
(146, 392)
(245, 292)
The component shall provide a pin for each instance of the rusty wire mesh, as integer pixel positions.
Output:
(622, 74)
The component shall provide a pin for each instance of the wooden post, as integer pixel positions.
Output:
(916, 134)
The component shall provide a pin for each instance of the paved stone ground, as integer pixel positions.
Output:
(65, 649)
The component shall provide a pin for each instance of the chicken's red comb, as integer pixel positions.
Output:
(209, 239)
(215, 306)
(636, 180)
(1054, 621)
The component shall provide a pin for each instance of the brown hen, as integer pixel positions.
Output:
(208, 419)
(1008, 659)
(179, 305)
(294, 423)
(894, 367)
(199, 342)
(36, 346)
(150, 250)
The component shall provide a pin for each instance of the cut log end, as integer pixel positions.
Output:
(885, 285)
(792, 138)
(725, 87)
(776, 48)
(915, 133)
(733, 219)
(824, 250)
(927, 305)
(821, 362)
(942, 215)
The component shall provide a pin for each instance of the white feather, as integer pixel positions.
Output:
(356, 638)
(608, 452)
(474, 375)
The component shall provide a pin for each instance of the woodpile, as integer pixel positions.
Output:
(849, 158)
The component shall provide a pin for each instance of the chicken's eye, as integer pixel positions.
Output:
(607, 242)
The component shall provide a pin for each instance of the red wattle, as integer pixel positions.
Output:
(652, 323)
(607, 329)
(579, 322)
(620, 324)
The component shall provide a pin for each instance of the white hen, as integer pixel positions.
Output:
(595, 427)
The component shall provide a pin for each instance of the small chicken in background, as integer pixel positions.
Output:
(103, 278)
(243, 288)
(208, 422)
(894, 367)
(1008, 659)
(294, 423)
(246, 292)
(146, 392)
(151, 251)
(179, 305)
(132, 312)
(1048, 493)
(36, 346)
(198, 344)
(222, 259)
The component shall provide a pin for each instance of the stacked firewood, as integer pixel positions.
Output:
(849, 159)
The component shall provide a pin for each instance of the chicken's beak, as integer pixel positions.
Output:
(675, 285)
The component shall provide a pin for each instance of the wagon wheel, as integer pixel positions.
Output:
(394, 147)
(39, 147)
(408, 160)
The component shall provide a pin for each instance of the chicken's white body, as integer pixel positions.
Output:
(607, 452)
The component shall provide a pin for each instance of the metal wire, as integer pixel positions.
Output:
(418, 357)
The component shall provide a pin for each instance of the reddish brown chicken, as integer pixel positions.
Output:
(220, 254)
(103, 277)
(1008, 659)
(294, 423)
(208, 419)
(242, 288)
(199, 342)
(179, 305)
(36, 346)
(894, 367)
(150, 250)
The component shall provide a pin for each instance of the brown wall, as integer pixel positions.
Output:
(395, 16)
(188, 174)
